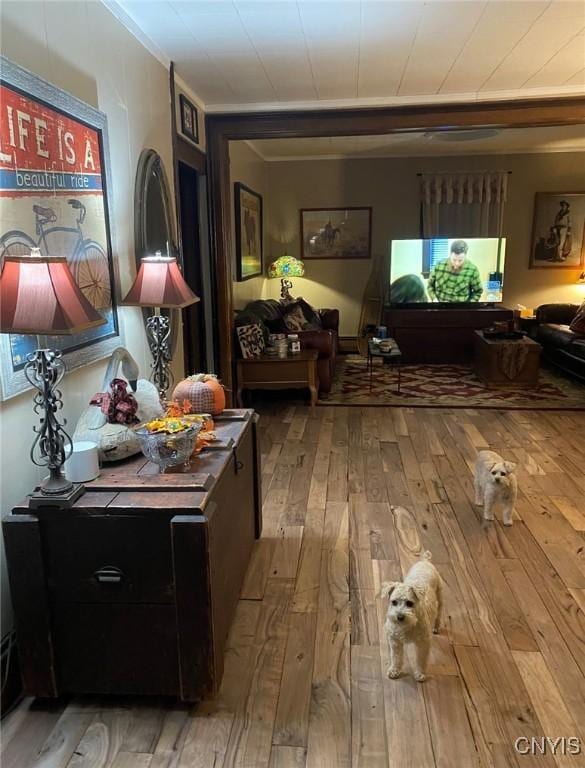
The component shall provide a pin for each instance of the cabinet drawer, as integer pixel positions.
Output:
(109, 560)
(116, 649)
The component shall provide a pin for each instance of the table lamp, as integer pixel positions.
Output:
(38, 296)
(160, 285)
(285, 267)
(581, 279)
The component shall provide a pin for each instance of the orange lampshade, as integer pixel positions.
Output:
(38, 295)
(159, 283)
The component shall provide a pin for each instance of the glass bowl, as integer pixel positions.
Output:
(168, 450)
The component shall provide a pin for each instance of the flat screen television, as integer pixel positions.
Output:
(451, 270)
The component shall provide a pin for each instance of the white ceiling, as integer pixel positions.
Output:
(314, 53)
(567, 138)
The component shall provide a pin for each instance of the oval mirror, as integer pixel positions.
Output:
(154, 228)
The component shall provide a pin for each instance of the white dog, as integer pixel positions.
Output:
(414, 613)
(495, 483)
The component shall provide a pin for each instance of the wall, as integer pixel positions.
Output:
(390, 185)
(249, 169)
(83, 49)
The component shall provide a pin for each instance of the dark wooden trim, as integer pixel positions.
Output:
(174, 158)
(220, 235)
(24, 559)
(221, 128)
(190, 155)
(190, 543)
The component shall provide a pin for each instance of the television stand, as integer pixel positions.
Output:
(440, 334)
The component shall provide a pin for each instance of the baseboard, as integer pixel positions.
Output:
(10, 672)
(347, 344)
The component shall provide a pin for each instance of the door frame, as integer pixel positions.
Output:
(220, 129)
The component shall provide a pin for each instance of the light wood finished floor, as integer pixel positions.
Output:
(351, 497)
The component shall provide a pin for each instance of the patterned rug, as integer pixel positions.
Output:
(446, 386)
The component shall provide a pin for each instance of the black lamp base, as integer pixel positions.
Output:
(65, 499)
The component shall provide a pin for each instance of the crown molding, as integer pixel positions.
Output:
(400, 101)
(477, 153)
(252, 145)
(120, 13)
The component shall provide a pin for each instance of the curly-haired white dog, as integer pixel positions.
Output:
(495, 483)
(414, 613)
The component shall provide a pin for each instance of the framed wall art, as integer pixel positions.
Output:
(558, 231)
(189, 123)
(249, 249)
(336, 233)
(54, 182)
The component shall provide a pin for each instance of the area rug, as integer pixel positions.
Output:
(446, 386)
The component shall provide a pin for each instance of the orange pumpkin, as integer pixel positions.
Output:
(203, 391)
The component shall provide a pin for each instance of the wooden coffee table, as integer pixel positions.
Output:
(295, 371)
(489, 363)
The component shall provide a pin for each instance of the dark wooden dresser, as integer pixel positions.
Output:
(133, 589)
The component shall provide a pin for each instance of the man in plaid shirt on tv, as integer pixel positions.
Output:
(456, 278)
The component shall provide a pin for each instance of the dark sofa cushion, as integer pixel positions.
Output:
(577, 348)
(270, 312)
(551, 335)
(578, 324)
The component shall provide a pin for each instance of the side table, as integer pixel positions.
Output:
(392, 357)
(295, 371)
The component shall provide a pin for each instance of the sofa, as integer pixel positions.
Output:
(320, 333)
(561, 346)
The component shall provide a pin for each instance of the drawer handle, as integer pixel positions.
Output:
(238, 465)
(109, 574)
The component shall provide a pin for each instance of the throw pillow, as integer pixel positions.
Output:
(311, 315)
(294, 319)
(251, 340)
(578, 324)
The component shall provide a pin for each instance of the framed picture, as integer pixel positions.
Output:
(558, 231)
(54, 182)
(249, 255)
(336, 233)
(189, 126)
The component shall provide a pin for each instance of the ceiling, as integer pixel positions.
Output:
(567, 138)
(276, 55)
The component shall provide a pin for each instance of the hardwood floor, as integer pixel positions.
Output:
(351, 496)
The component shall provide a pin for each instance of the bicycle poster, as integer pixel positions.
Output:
(53, 195)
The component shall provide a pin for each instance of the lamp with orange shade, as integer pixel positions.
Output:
(159, 284)
(39, 297)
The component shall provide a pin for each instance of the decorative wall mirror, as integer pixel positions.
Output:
(154, 224)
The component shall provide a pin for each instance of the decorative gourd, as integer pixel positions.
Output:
(203, 391)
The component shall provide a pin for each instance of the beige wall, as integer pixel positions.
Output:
(390, 186)
(82, 48)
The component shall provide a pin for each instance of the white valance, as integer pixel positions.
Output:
(463, 204)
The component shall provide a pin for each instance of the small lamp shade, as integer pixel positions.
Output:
(38, 295)
(159, 283)
(581, 278)
(286, 266)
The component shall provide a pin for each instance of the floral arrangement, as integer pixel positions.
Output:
(178, 418)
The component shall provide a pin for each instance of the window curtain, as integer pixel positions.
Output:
(463, 204)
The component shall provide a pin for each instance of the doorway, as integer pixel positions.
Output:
(191, 203)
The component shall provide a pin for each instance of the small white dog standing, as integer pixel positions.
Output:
(414, 613)
(495, 483)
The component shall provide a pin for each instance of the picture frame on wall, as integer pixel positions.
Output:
(558, 231)
(189, 119)
(249, 232)
(336, 233)
(55, 182)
